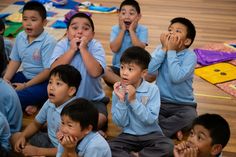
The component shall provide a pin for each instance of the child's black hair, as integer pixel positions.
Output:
(36, 6)
(82, 111)
(3, 57)
(216, 125)
(81, 15)
(136, 55)
(2, 26)
(191, 31)
(68, 74)
(133, 3)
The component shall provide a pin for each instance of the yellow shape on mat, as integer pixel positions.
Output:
(217, 73)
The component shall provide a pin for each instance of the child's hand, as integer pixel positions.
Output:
(174, 42)
(60, 136)
(84, 42)
(120, 90)
(164, 40)
(30, 150)
(131, 91)
(19, 86)
(20, 143)
(69, 141)
(185, 150)
(122, 24)
(74, 46)
(134, 23)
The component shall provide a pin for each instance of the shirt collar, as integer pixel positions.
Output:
(143, 87)
(39, 38)
(59, 108)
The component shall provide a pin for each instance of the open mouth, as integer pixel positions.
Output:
(127, 23)
(50, 95)
(29, 29)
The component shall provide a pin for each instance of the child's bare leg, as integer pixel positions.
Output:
(31, 110)
(110, 76)
(102, 120)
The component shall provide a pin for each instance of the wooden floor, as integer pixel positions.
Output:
(215, 21)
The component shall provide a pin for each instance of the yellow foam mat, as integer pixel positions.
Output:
(217, 73)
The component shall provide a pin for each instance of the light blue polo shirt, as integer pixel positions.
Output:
(175, 75)
(10, 106)
(4, 133)
(90, 87)
(142, 34)
(51, 115)
(92, 145)
(139, 117)
(34, 56)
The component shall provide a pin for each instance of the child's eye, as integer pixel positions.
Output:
(178, 31)
(130, 69)
(122, 67)
(191, 133)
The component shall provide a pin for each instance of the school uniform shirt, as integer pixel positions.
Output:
(142, 34)
(10, 106)
(90, 87)
(92, 145)
(139, 117)
(51, 115)
(34, 56)
(8, 44)
(175, 75)
(4, 133)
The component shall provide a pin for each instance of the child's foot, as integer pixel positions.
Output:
(134, 154)
(179, 135)
(31, 110)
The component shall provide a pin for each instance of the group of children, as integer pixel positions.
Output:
(65, 77)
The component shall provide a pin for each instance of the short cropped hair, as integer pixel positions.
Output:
(82, 111)
(217, 126)
(36, 6)
(3, 57)
(191, 31)
(136, 55)
(81, 15)
(2, 26)
(133, 3)
(68, 74)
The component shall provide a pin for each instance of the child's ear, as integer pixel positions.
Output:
(216, 149)
(88, 129)
(72, 91)
(187, 42)
(45, 21)
(144, 73)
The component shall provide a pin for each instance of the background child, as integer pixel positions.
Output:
(31, 51)
(87, 55)
(135, 108)
(4, 136)
(175, 65)
(7, 43)
(124, 35)
(9, 101)
(209, 135)
(78, 132)
(62, 87)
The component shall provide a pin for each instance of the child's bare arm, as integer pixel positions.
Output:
(30, 130)
(12, 68)
(135, 40)
(42, 76)
(30, 150)
(67, 57)
(92, 65)
(117, 42)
